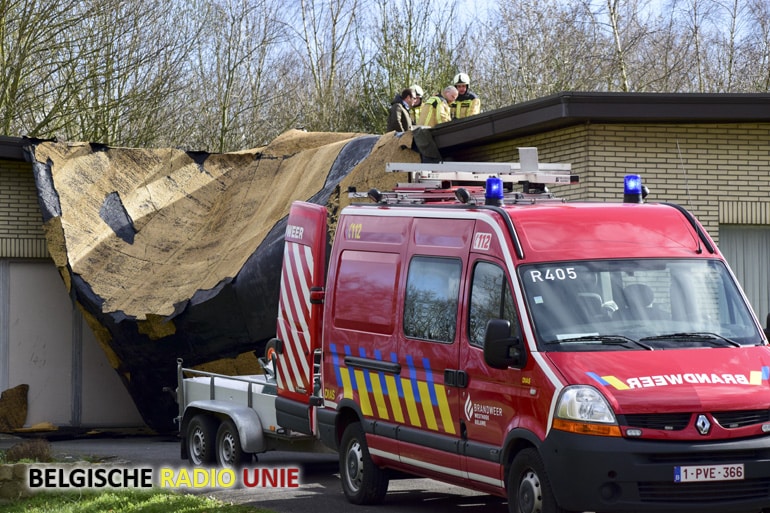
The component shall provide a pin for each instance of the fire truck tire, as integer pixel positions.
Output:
(201, 431)
(229, 451)
(529, 490)
(362, 481)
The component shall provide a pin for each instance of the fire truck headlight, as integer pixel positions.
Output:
(582, 409)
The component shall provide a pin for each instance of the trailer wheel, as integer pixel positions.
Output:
(362, 481)
(200, 439)
(229, 451)
(529, 490)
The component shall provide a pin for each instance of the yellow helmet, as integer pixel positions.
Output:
(462, 79)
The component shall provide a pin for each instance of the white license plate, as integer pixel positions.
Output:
(691, 473)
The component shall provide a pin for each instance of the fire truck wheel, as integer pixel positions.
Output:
(229, 451)
(529, 490)
(362, 481)
(200, 440)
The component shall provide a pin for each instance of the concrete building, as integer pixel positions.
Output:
(708, 153)
(44, 341)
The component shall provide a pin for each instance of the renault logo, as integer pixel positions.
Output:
(703, 425)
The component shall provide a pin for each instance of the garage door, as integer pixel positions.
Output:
(747, 249)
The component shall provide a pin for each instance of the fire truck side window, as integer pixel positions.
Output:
(490, 299)
(432, 292)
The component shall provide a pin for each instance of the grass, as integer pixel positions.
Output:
(128, 501)
(105, 501)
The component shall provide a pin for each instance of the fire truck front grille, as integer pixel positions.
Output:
(736, 419)
(713, 491)
(666, 421)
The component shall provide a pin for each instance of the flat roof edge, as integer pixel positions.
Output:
(12, 148)
(571, 108)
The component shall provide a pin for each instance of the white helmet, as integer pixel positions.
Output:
(462, 78)
(417, 90)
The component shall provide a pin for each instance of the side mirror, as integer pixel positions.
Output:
(502, 349)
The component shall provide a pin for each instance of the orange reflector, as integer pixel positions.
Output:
(584, 428)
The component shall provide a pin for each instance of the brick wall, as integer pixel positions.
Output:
(720, 172)
(21, 224)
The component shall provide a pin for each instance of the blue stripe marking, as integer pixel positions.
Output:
(399, 387)
(413, 378)
(598, 378)
(367, 379)
(350, 371)
(765, 372)
(431, 384)
(378, 356)
(336, 362)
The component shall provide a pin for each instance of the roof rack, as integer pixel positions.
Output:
(465, 181)
(527, 170)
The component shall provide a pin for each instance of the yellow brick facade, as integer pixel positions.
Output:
(720, 172)
(21, 224)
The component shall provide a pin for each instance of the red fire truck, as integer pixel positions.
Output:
(569, 356)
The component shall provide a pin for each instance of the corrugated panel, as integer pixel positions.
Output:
(747, 250)
(744, 212)
(23, 248)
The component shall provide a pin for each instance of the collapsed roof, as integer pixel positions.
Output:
(173, 254)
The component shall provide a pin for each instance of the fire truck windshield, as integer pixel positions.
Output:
(636, 304)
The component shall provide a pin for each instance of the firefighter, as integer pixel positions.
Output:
(467, 103)
(436, 109)
(399, 119)
(414, 112)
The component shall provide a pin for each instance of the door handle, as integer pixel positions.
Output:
(455, 378)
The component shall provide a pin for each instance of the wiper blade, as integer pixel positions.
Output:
(602, 339)
(701, 335)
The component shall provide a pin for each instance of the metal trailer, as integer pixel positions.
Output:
(229, 420)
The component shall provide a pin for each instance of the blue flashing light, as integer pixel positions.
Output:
(494, 191)
(633, 190)
(632, 184)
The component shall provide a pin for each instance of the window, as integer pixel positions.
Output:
(366, 291)
(490, 299)
(608, 305)
(432, 291)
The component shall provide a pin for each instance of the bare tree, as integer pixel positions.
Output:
(130, 72)
(323, 36)
(756, 65)
(402, 42)
(234, 74)
(222, 75)
(620, 52)
(37, 54)
(536, 48)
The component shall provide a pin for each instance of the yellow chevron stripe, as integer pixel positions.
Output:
(395, 401)
(615, 382)
(427, 407)
(411, 404)
(443, 408)
(347, 387)
(363, 395)
(379, 398)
